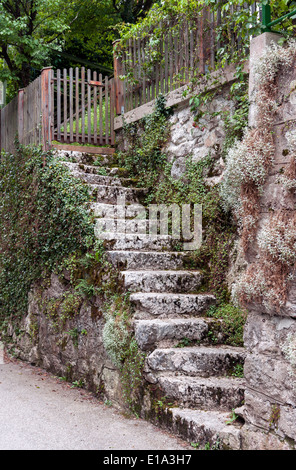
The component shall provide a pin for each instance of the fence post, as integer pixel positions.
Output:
(20, 113)
(118, 69)
(46, 111)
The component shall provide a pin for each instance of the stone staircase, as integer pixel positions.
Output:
(182, 362)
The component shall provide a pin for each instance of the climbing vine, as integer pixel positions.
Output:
(44, 218)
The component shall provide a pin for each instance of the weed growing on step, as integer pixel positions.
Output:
(232, 326)
(145, 159)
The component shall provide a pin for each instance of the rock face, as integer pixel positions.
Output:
(189, 139)
(198, 140)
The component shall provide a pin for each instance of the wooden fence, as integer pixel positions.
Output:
(181, 51)
(25, 116)
(63, 106)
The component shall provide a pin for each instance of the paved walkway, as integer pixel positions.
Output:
(40, 412)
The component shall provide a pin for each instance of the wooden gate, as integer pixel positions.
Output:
(83, 105)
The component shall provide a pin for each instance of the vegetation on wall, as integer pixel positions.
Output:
(247, 165)
(47, 228)
(144, 143)
(44, 218)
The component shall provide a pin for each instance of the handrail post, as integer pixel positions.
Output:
(46, 111)
(266, 17)
(118, 69)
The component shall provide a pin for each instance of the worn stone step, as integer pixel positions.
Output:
(206, 429)
(136, 242)
(118, 210)
(201, 361)
(176, 331)
(161, 281)
(163, 305)
(213, 393)
(85, 158)
(111, 194)
(146, 259)
(95, 175)
(132, 226)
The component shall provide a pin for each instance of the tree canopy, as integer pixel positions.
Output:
(38, 33)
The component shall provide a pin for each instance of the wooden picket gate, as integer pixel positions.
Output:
(82, 107)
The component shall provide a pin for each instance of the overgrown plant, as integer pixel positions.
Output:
(249, 160)
(267, 279)
(122, 347)
(44, 218)
(153, 171)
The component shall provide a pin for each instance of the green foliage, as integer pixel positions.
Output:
(238, 371)
(153, 171)
(122, 347)
(44, 219)
(145, 141)
(234, 319)
(28, 31)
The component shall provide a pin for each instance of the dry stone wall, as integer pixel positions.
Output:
(189, 139)
(69, 345)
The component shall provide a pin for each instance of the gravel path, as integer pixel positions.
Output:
(41, 412)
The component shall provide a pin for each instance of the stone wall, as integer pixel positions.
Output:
(187, 138)
(270, 337)
(69, 344)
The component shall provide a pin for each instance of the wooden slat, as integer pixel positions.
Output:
(171, 66)
(145, 100)
(161, 74)
(191, 48)
(176, 55)
(139, 71)
(88, 106)
(77, 81)
(52, 120)
(71, 104)
(65, 96)
(95, 110)
(166, 64)
(101, 111)
(85, 149)
(106, 108)
(112, 109)
(83, 104)
(59, 110)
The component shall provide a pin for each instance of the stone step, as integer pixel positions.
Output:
(149, 259)
(163, 305)
(85, 158)
(111, 194)
(214, 393)
(207, 429)
(93, 175)
(161, 281)
(172, 332)
(118, 210)
(131, 226)
(200, 361)
(136, 242)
